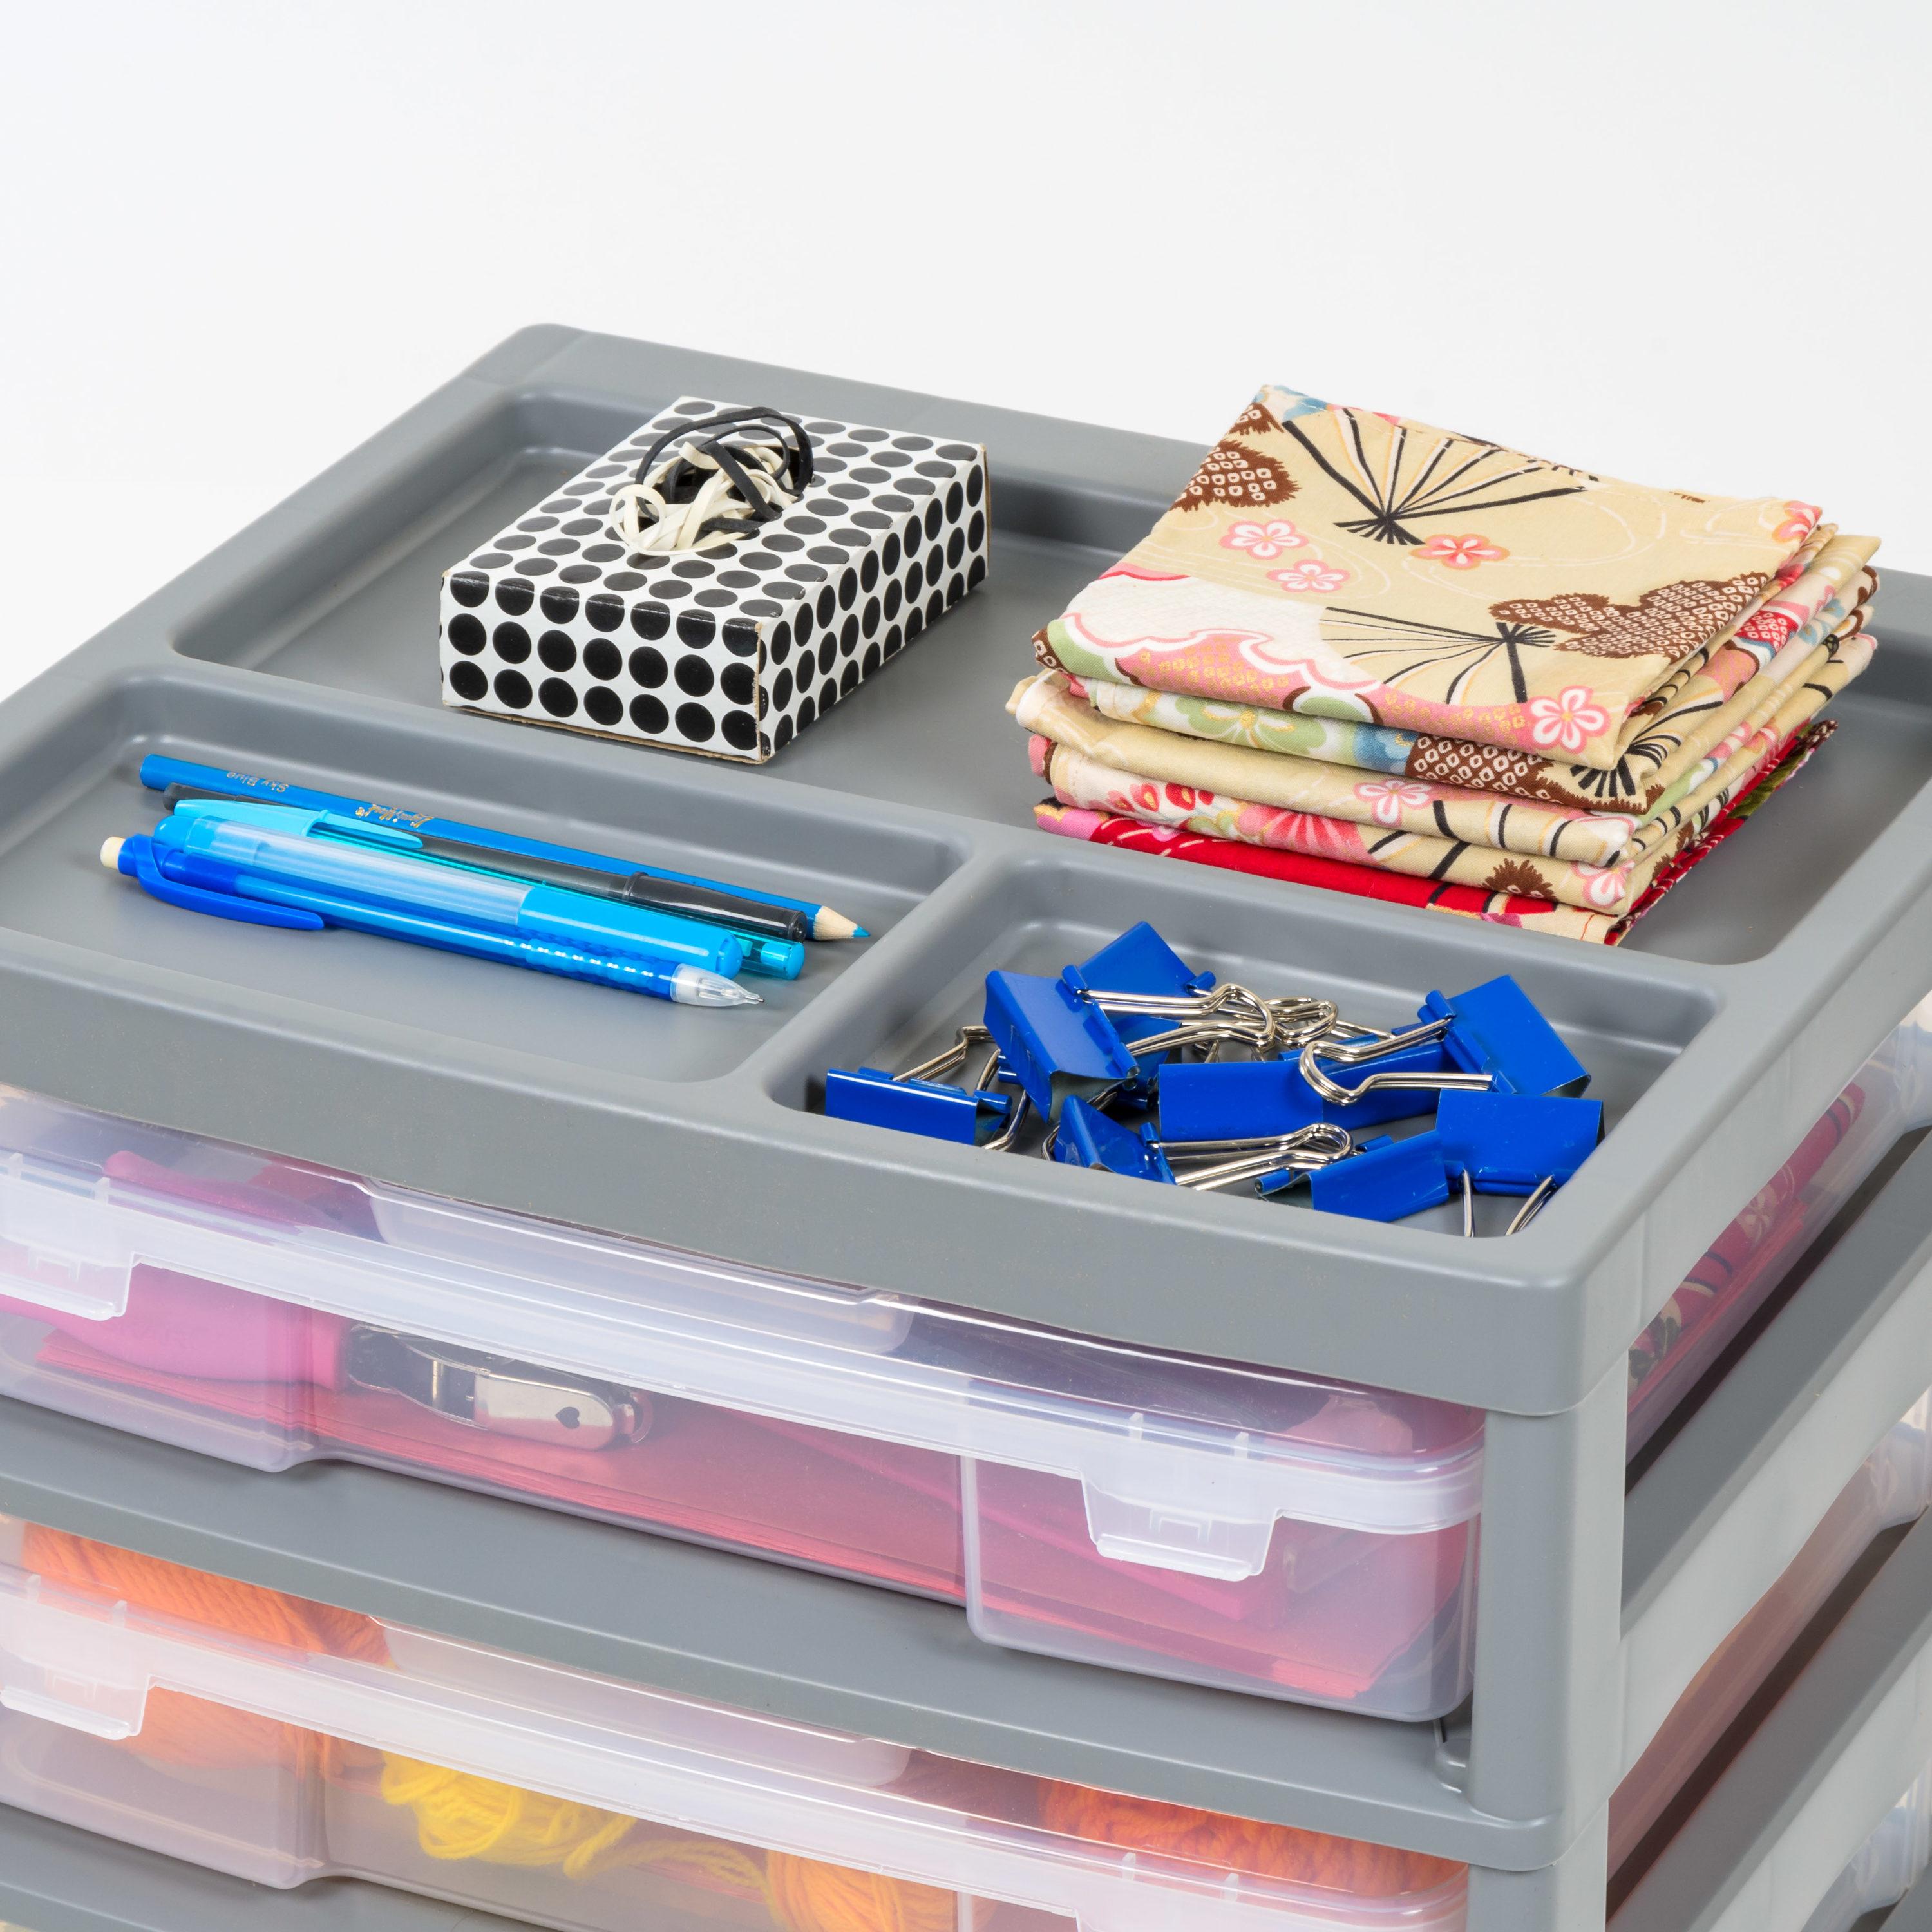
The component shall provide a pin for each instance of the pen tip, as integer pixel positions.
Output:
(110, 853)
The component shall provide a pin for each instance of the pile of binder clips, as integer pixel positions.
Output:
(1126, 1062)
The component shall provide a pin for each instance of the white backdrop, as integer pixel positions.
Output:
(1685, 242)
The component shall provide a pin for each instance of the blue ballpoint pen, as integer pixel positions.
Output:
(283, 866)
(158, 773)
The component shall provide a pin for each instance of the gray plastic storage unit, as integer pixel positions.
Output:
(305, 648)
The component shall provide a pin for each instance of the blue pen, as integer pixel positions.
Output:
(283, 866)
(158, 773)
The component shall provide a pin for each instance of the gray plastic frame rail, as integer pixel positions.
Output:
(1520, 1793)
(305, 646)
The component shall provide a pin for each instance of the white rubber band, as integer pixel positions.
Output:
(641, 518)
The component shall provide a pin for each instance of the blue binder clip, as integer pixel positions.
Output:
(1139, 966)
(1143, 985)
(1086, 1138)
(1385, 1180)
(1394, 1093)
(916, 1106)
(1495, 1029)
(1058, 1045)
(1509, 1143)
(1234, 1100)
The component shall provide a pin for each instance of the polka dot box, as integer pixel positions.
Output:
(734, 651)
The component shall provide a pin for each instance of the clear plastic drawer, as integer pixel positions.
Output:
(1886, 1866)
(1247, 1528)
(282, 1742)
(1893, 1485)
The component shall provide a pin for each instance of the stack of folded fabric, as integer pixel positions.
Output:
(1363, 653)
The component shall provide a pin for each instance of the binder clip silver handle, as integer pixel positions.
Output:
(1300, 1152)
(1366, 1049)
(1229, 1012)
(951, 1059)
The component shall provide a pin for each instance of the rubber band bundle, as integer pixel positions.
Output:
(705, 484)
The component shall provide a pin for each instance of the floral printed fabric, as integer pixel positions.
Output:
(1726, 773)
(1336, 563)
(1598, 840)
(1662, 740)
(1106, 828)
(1706, 727)
(1048, 706)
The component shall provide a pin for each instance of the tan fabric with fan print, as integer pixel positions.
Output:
(1341, 565)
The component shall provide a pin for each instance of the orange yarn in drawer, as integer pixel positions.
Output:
(1350, 1865)
(808, 1896)
(190, 1732)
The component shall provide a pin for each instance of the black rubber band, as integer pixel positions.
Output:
(712, 430)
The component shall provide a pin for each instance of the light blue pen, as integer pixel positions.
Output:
(303, 869)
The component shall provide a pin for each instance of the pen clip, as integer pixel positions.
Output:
(217, 905)
(299, 819)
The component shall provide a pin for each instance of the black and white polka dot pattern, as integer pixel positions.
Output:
(731, 652)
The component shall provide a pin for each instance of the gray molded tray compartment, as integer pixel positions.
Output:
(305, 645)
(51, 885)
(1044, 912)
